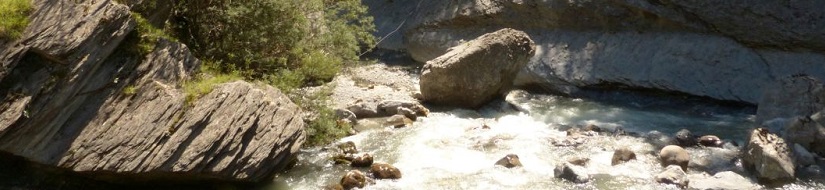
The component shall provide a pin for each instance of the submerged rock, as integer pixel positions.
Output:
(509, 161)
(385, 171)
(674, 155)
(769, 157)
(571, 172)
(579, 161)
(673, 174)
(622, 155)
(471, 74)
(347, 147)
(354, 179)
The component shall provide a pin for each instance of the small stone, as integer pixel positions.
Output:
(803, 157)
(364, 160)
(385, 171)
(408, 113)
(685, 138)
(710, 141)
(673, 174)
(398, 121)
(622, 155)
(509, 161)
(570, 172)
(348, 147)
(579, 161)
(674, 155)
(353, 179)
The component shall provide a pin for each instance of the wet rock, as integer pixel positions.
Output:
(509, 161)
(346, 115)
(334, 187)
(390, 107)
(385, 171)
(354, 179)
(673, 174)
(769, 157)
(803, 157)
(579, 161)
(674, 155)
(622, 155)
(518, 99)
(812, 171)
(342, 159)
(710, 141)
(685, 138)
(407, 113)
(363, 110)
(347, 147)
(722, 180)
(364, 160)
(420, 110)
(571, 172)
(592, 127)
(398, 121)
(471, 74)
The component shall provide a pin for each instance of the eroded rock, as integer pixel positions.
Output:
(769, 157)
(471, 74)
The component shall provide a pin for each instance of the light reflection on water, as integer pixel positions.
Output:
(449, 150)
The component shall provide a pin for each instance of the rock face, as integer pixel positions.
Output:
(571, 172)
(732, 49)
(674, 155)
(473, 73)
(769, 157)
(791, 97)
(76, 96)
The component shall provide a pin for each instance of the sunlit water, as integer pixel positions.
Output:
(450, 150)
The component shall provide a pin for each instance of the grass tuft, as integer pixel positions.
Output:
(14, 17)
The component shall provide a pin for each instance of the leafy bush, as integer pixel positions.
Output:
(323, 128)
(289, 43)
(14, 17)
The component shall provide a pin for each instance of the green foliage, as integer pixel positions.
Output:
(206, 81)
(289, 43)
(148, 34)
(14, 17)
(324, 128)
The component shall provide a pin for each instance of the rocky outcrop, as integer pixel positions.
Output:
(732, 48)
(769, 157)
(472, 74)
(77, 95)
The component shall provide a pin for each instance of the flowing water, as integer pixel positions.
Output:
(450, 150)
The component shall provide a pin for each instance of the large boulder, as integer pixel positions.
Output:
(475, 72)
(76, 97)
(769, 157)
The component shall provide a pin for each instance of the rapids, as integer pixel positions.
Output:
(450, 150)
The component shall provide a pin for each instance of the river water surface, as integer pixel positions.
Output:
(450, 150)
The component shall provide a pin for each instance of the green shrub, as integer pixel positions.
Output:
(206, 81)
(149, 35)
(14, 17)
(324, 128)
(290, 43)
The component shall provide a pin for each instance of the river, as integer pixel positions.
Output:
(450, 150)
